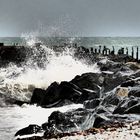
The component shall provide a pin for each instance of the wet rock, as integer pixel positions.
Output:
(65, 122)
(88, 94)
(135, 91)
(31, 129)
(129, 83)
(135, 109)
(136, 74)
(108, 65)
(69, 91)
(52, 95)
(112, 81)
(125, 104)
(111, 99)
(38, 95)
(57, 94)
(90, 81)
(101, 121)
(101, 109)
(91, 104)
(133, 65)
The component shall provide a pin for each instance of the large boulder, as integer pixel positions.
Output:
(58, 93)
(90, 81)
(65, 122)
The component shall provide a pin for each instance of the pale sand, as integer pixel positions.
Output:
(131, 132)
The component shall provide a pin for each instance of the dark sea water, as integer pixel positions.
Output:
(16, 81)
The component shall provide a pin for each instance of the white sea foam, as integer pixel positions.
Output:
(19, 82)
(14, 118)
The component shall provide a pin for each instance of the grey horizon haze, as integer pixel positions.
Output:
(70, 17)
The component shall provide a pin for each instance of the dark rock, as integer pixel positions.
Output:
(56, 94)
(65, 122)
(88, 95)
(111, 99)
(112, 81)
(12, 54)
(135, 109)
(125, 104)
(52, 95)
(136, 74)
(101, 109)
(129, 83)
(91, 104)
(89, 81)
(135, 91)
(31, 129)
(38, 95)
(70, 91)
(101, 121)
(133, 66)
(109, 66)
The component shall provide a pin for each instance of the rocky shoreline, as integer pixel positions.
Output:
(111, 96)
(113, 131)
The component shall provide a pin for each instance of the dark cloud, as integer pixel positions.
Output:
(70, 17)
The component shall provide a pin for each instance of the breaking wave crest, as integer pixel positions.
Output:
(42, 67)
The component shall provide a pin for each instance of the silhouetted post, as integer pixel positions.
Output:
(99, 49)
(109, 51)
(137, 53)
(132, 52)
(104, 50)
(87, 50)
(91, 50)
(113, 51)
(126, 51)
(122, 50)
(75, 45)
(95, 51)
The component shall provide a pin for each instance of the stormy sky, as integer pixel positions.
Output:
(70, 17)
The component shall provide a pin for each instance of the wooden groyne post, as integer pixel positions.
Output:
(137, 54)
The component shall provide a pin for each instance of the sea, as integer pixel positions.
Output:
(19, 81)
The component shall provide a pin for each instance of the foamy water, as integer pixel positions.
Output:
(19, 82)
(14, 118)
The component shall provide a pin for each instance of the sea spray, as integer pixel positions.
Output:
(42, 67)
